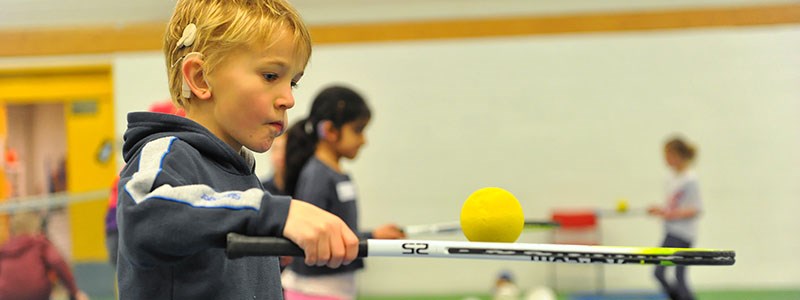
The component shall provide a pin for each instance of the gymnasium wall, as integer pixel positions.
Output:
(562, 121)
(579, 121)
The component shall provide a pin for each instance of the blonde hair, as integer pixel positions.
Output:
(26, 223)
(227, 25)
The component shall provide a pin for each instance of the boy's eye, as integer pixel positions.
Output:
(270, 76)
(295, 85)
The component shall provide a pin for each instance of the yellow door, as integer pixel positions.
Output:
(87, 95)
(3, 183)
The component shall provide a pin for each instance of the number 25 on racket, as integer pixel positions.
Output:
(240, 245)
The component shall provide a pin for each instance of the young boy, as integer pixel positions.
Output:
(189, 181)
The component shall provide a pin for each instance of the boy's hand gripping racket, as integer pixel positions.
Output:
(240, 245)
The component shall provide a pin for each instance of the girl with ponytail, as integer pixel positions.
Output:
(680, 213)
(334, 129)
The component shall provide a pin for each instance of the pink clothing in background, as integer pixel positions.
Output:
(292, 295)
(25, 262)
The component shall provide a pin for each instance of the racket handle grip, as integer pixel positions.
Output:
(242, 245)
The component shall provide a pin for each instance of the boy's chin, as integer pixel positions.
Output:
(260, 147)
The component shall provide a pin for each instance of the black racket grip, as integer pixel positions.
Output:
(242, 245)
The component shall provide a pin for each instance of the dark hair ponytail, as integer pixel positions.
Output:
(338, 104)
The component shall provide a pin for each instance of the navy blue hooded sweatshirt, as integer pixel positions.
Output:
(181, 192)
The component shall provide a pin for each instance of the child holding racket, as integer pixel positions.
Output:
(333, 130)
(188, 182)
(680, 214)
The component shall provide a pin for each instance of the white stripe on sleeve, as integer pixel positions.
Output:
(140, 187)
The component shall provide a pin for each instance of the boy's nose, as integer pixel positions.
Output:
(285, 101)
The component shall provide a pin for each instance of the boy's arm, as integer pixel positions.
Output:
(164, 215)
(326, 239)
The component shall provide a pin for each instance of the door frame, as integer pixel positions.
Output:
(87, 92)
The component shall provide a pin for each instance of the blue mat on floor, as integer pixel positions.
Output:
(95, 279)
(625, 295)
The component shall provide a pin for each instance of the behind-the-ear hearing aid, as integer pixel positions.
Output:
(321, 129)
(187, 39)
(186, 91)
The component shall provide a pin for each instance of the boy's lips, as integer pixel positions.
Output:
(278, 126)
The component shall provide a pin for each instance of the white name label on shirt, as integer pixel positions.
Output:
(346, 191)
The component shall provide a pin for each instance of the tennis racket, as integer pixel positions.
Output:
(240, 246)
(455, 226)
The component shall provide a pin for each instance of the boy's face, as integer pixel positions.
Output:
(251, 90)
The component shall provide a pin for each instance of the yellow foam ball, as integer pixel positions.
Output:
(622, 205)
(492, 215)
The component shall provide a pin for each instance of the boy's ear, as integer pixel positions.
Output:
(194, 81)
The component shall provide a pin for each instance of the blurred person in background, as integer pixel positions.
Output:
(28, 259)
(680, 213)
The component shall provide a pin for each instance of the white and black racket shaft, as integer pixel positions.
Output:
(677, 258)
(239, 245)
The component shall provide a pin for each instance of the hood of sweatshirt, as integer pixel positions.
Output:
(144, 127)
(20, 244)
